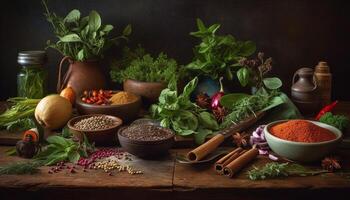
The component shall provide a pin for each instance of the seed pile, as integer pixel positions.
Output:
(95, 123)
(109, 165)
(146, 132)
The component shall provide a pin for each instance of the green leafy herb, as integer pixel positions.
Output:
(21, 125)
(143, 67)
(339, 121)
(21, 168)
(81, 38)
(218, 55)
(58, 149)
(253, 72)
(21, 109)
(31, 82)
(176, 111)
(278, 170)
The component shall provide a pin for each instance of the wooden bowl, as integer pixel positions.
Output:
(146, 149)
(127, 112)
(99, 137)
(149, 91)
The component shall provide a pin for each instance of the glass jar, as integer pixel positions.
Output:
(32, 77)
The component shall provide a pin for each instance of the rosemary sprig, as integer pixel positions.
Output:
(276, 170)
(31, 167)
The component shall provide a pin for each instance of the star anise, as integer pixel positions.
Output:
(240, 139)
(331, 164)
(203, 100)
(220, 113)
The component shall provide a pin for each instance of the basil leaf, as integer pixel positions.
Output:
(94, 21)
(272, 83)
(51, 160)
(189, 88)
(208, 121)
(70, 38)
(73, 16)
(200, 25)
(248, 48)
(243, 76)
(57, 140)
(73, 157)
(127, 30)
(107, 28)
(201, 135)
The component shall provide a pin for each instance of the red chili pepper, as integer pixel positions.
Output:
(215, 99)
(327, 108)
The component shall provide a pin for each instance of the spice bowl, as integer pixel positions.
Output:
(146, 148)
(127, 112)
(302, 151)
(103, 136)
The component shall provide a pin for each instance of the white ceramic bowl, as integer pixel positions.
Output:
(300, 151)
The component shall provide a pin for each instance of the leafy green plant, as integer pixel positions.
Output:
(339, 121)
(217, 55)
(176, 111)
(81, 38)
(31, 83)
(253, 71)
(278, 170)
(58, 149)
(138, 65)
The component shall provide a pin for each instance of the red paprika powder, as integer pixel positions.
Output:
(301, 131)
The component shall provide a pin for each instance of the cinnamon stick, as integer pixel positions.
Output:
(237, 164)
(206, 148)
(222, 162)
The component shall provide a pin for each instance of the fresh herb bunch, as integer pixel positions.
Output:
(217, 55)
(253, 72)
(58, 149)
(339, 121)
(21, 124)
(143, 67)
(278, 170)
(31, 83)
(176, 111)
(81, 38)
(21, 109)
(246, 106)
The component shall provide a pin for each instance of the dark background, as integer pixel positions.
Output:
(296, 33)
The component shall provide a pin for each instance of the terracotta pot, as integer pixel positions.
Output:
(81, 76)
(149, 91)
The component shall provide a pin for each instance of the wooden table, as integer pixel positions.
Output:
(167, 179)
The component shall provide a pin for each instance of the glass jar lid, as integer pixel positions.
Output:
(32, 57)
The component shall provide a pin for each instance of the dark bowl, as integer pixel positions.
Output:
(99, 137)
(127, 112)
(149, 91)
(146, 149)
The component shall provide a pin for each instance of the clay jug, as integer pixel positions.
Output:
(81, 76)
(304, 91)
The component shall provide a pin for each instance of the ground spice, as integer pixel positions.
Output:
(122, 98)
(301, 131)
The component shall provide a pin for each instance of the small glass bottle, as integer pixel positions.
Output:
(32, 77)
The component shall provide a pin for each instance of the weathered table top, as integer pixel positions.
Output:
(168, 179)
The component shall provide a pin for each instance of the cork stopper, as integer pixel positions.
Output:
(322, 67)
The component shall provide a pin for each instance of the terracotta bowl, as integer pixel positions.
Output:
(146, 149)
(127, 112)
(99, 137)
(149, 91)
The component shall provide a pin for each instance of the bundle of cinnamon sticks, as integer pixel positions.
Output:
(234, 161)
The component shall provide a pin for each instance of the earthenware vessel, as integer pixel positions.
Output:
(149, 91)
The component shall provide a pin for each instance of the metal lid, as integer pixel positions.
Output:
(32, 57)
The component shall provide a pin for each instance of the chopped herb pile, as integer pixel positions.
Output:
(339, 121)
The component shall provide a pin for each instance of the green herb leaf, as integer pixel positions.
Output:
(248, 48)
(127, 30)
(57, 140)
(73, 157)
(200, 136)
(272, 83)
(243, 76)
(73, 16)
(207, 120)
(70, 38)
(94, 21)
